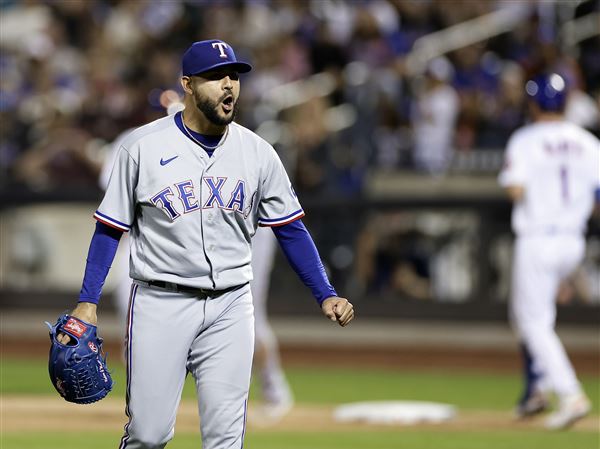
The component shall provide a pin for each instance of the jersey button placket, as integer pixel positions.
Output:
(207, 217)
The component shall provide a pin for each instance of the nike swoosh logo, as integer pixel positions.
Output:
(163, 162)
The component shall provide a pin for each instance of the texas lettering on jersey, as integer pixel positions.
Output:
(184, 191)
(226, 197)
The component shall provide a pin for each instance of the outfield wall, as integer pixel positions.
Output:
(412, 247)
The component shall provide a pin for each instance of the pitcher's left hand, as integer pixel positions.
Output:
(338, 309)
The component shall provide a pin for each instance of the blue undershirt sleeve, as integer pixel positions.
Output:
(302, 254)
(103, 248)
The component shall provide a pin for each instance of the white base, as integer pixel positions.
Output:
(394, 412)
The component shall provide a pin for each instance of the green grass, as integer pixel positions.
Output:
(466, 390)
(333, 385)
(420, 439)
(409, 439)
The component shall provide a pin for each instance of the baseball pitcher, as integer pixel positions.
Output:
(191, 190)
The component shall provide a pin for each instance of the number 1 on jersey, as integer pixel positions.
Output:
(564, 183)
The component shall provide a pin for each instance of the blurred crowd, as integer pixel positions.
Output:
(336, 82)
(342, 89)
(338, 85)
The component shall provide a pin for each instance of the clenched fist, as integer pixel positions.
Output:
(338, 309)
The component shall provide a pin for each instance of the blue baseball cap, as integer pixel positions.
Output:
(203, 56)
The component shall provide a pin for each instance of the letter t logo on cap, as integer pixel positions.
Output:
(221, 46)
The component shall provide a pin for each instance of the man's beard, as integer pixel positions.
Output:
(210, 109)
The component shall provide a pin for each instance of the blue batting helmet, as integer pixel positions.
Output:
(548, 91)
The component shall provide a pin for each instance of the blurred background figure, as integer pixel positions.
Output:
(119, 274)
(434, 118)
(393, 258)
(275, 392)
(551, 174)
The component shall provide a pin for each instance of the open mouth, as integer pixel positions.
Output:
(228, 103)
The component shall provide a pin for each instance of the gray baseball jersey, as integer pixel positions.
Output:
(192, 216)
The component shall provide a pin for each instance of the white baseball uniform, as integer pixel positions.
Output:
(120, 265)
(558, 165)
(191, 218)
(275, 390)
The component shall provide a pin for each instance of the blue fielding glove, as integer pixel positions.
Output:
(78, 369)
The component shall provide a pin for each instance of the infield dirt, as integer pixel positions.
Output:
(26, 413)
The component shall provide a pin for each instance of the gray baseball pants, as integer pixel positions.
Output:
(172, 333)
